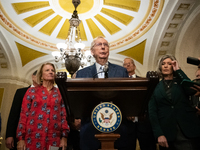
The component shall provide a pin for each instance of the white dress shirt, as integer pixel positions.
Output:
(100, 69)
(133, 76)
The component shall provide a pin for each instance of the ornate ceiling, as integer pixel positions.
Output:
(141, 29)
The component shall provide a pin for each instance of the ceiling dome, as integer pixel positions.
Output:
(85, 6)
(118, 21)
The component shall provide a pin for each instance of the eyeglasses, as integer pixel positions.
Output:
(100, 44)
(126, 64)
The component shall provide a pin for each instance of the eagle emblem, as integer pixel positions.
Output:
(106, 119)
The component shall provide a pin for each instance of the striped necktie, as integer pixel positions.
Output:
(101, 73)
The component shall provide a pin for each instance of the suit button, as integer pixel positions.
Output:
(172, 106)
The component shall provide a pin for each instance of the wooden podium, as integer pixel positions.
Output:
(81, 95)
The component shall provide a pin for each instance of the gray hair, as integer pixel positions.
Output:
(130, 59)
(93, 42)
(159, 69)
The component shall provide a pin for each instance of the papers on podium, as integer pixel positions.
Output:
(53, 147)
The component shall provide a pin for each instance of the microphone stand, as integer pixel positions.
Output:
(97, 74)
(106, 75)
(105, 70)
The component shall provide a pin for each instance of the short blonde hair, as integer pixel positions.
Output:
(40, 71)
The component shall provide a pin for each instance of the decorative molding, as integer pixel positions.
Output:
(168, 35)
(165, 43)
(184, 7)
(16, 31)
(16, 81)
(152, 15)
(148, 23)
(2, 55)
(162, 53)
(178, 17)
(174, 26)
(4, 65)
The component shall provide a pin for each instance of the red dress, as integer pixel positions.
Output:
(42, 119)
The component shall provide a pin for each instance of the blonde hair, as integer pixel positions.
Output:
(40, 71)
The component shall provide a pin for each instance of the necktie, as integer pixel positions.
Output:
(101, 73)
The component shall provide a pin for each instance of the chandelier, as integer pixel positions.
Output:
(72, 51)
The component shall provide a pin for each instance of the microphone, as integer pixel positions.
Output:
(193, 61)
(105, 69)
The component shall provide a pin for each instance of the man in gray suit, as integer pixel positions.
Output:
(100, 51)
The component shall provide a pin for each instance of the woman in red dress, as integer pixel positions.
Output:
(43, 116)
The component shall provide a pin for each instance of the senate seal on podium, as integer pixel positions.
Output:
(106, 117)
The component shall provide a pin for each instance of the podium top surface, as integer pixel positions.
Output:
(111, 84)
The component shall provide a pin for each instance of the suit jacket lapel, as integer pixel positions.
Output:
(175, 93)
(111, 70)
(163, 92)
(94, 70)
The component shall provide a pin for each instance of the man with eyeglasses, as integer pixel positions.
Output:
(100, 51)
(138, 127)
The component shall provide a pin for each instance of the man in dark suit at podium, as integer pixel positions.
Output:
(13, 119)
(100, 51)
(101, 69)
(138, 127)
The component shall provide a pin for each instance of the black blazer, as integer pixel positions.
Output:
(14, 115)
(166, 114)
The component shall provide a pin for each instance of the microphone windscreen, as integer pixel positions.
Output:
(192, 60)
(105, 68)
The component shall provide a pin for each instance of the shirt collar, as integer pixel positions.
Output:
(98, 66)
(133, 76)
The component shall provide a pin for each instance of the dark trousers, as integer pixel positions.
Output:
(141, 131)
(129, 133)
(87, 139)
(73, 140)
(89, 142)
(182, 142)
(192, 144)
